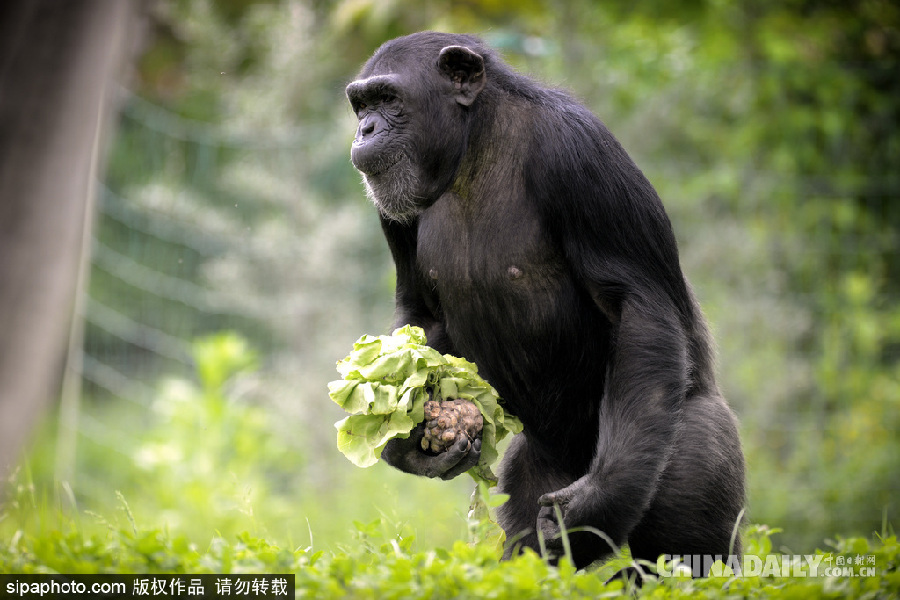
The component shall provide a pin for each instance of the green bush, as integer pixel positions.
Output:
(383, 565)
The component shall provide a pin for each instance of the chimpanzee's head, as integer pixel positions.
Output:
(413, 100)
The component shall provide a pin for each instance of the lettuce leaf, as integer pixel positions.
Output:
(386, 382)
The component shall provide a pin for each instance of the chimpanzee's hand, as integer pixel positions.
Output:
(578, 505)
(408, 456)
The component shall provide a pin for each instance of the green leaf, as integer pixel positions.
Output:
(339, 391)
(385, 402)
(395, 367)
(353, 396)
(416, 409)
(358, 438)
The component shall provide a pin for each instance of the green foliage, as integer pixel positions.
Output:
(386, 382)
(205, 450)
(219, 357)
(829, 226)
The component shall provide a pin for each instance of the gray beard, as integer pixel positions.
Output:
(392, 192)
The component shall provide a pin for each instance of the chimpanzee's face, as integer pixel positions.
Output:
(412, 105)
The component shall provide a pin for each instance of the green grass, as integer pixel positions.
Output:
(383, 562)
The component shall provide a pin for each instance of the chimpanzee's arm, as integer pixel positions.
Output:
(640, 414)
(407, 454)
(411, 308)
(619, 244)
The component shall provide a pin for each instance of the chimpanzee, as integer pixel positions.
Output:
(527, 241)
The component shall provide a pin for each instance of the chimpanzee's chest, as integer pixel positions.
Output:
(477, 262)
(497, 281)
(508, 302)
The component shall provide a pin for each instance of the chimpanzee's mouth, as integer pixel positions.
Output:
(381, 167)
(373, 164)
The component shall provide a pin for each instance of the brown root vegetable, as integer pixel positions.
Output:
(447, 421)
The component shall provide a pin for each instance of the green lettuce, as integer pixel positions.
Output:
(386, 381)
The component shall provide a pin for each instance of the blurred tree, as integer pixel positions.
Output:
(57, 62)
(824, 125)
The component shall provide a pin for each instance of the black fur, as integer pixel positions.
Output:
(526, 240)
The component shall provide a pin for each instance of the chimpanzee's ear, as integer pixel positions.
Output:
(465, 69)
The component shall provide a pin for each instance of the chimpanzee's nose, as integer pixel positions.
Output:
(366, 128)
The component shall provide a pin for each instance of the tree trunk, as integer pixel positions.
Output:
(57, 60)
